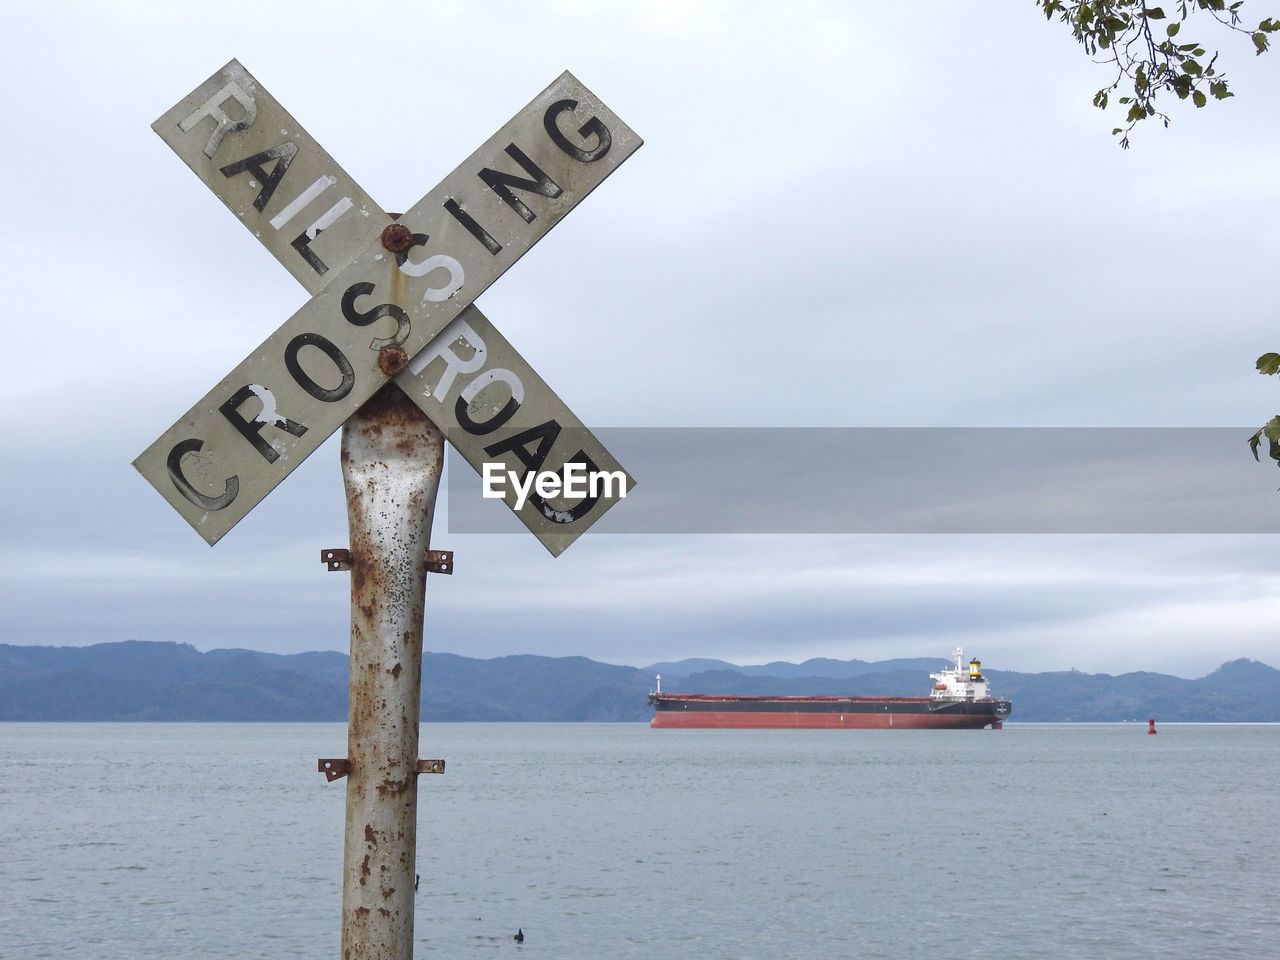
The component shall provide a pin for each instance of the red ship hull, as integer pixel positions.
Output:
(694, 711)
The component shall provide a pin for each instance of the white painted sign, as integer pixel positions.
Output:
(283, 401)
(272, 175)
(511, 427)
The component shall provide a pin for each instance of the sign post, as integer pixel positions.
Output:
(392, 456)
(388, 300)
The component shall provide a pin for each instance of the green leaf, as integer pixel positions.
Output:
(1260, 41)
(1199, 99)
(1153, 13)
(1271, 429)
(1173, 29)
(1269, 363)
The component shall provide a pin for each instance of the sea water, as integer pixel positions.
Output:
(139, 841)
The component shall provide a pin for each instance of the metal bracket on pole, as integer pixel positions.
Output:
(336, 559)
(335, 768)
(438, 561)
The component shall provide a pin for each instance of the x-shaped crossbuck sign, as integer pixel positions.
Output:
(381, 298)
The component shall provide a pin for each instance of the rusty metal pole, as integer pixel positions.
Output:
(391, 463)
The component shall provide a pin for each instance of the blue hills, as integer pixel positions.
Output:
(162, 681)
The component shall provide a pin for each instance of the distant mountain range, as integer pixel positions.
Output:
(174, 682)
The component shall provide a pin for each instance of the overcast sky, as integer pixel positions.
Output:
(845, 215)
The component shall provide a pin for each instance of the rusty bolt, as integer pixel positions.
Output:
(396, 238)
(392, 359)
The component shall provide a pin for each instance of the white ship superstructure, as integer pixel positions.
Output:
(957, 683)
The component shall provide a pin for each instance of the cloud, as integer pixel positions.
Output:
(836, 222)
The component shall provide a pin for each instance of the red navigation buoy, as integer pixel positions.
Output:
(1151, 725)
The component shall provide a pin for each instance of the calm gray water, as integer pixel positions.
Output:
(130, 842)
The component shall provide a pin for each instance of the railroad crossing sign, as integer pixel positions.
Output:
(412, 292)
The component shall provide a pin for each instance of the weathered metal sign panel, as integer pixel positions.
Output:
(278, 181)
(325, 226)
(226, 453)
(513, 428)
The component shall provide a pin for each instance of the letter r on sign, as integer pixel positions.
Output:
(223, 124)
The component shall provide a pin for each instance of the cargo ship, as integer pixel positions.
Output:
(960, 699)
